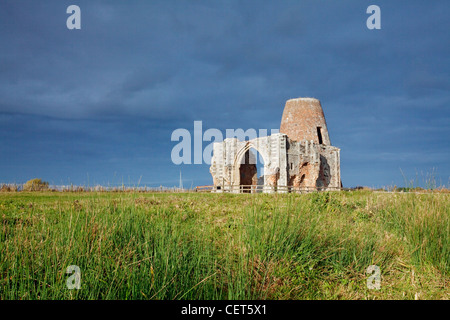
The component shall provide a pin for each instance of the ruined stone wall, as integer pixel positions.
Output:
(303, 163)
(228, 157)
(301, 156)
(311, 165)
(329, 175)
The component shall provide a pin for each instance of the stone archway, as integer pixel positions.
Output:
(245, 172)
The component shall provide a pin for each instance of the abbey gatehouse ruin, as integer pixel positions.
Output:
(299, 158)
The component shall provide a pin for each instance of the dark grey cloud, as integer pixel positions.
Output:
(104, 100)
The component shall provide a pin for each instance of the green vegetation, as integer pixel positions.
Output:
(35, 185)
(224, 246)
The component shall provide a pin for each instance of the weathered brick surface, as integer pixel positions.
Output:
(272, 177)
(301, 118)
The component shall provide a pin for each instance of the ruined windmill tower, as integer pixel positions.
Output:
(313, 161)
(303, 119)
(299, 158)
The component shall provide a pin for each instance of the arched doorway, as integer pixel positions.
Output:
(251, 171)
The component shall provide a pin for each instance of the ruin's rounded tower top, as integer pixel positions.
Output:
(303, 119)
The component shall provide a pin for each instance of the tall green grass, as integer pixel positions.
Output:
(222, 246)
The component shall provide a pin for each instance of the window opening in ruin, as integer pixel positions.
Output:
(302, 178)
(291, 165)
(319, 134)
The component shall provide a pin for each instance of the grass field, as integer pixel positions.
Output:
(224, 246)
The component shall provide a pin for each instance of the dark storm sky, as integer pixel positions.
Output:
(99, 105)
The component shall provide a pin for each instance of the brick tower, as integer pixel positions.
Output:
(303, 119)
